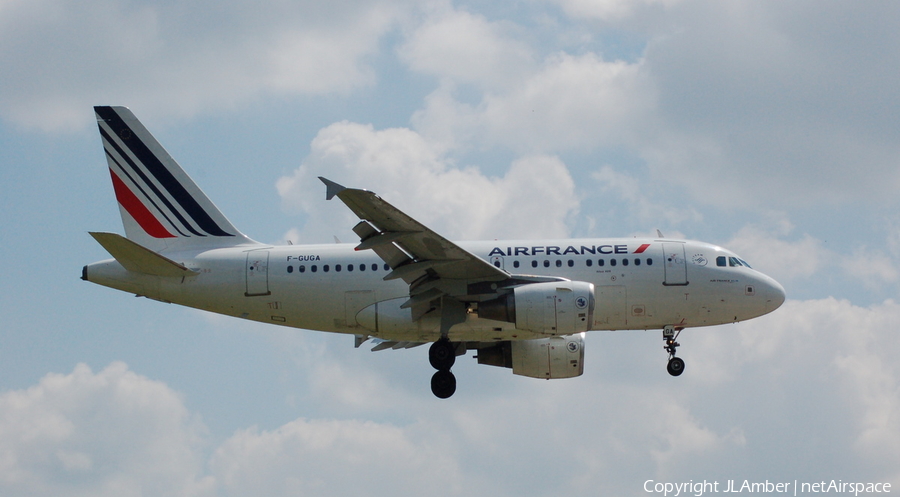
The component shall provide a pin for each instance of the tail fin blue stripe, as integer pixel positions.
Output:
(159, 171)
(140, 188)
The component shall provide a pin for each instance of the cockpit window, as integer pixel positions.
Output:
(724, 261)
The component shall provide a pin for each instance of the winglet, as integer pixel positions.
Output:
(331, 188)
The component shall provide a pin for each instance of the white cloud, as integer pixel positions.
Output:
(533, 199)
(607, 10)
(810, 368)
(772, 247)
(857, 345)
(733, 104)
(110, 433)
(331, 457)
(579, 102)
(739, 104)
(871, 266)
(466, 48)
(640, 200)
(763, 105)
(62, 56)
(783, 259)
(682, 434)
(750, 401)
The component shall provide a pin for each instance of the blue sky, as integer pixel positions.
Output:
(767, 127)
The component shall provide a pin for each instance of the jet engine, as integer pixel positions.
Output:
(548, 358)
(552, 308)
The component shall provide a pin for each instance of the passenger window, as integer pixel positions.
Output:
(387, 268)
(571, 263)
(496, 263)
(301, 268)
(515, 264)
(314, 268)
(601, 262)
(326, 268)
(337, 268)
(720, 261)
(637, 262)
(362, 267)
(546, 263)
(649, 261)
(533, 263)
(290, 269)
(612, 262)
(374, 267)
(589, 263)
(558, 263)
(624, 262)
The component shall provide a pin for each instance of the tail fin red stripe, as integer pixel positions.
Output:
(138, 211)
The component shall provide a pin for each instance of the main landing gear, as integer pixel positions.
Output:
(442, 355)
(676, 364)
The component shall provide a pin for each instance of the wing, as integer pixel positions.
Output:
(441, 275)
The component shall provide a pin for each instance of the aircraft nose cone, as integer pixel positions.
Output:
(774, 295)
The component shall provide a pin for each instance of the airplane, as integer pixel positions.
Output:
(524, 305)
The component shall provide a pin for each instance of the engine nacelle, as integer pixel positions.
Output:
(548, 358)
(553, 308)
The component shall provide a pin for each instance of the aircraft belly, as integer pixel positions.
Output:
(610, 307)
(386, 319)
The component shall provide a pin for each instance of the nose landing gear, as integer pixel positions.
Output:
(676, 365)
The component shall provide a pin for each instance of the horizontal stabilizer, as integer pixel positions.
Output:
(138, 259)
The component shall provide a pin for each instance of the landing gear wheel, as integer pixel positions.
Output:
(443, 384)
(442, 355)
(675, 366)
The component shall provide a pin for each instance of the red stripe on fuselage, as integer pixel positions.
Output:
(138, 210)
(642, 248)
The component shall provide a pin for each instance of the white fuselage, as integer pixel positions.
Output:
(639, 284)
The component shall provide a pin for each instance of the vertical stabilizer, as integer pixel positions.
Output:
(161, 207)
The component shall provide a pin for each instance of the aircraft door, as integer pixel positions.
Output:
(675, 266)
(257, 273)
